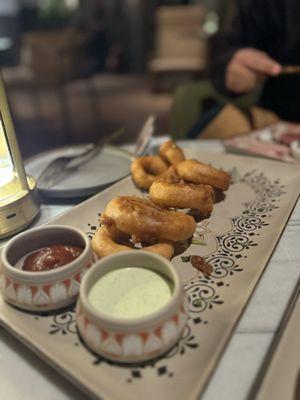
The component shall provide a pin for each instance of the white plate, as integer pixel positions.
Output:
(109, 166)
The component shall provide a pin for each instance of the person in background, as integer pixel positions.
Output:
(252, 54)
(29, 14)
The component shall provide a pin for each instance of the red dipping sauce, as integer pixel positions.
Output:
(51, 257)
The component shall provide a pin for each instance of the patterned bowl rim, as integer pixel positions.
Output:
(115, 323)
(45, 276)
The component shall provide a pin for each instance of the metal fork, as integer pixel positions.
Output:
(63, 166)
(53, 172)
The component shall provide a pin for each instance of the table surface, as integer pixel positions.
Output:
(24, 375)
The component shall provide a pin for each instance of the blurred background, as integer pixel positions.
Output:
(78, 69)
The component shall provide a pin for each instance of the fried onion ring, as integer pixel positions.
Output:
(148, 222)
(197, 172)
(175, 192)
(146, 169)
(169, 173)
(170, 152)
(105, 243)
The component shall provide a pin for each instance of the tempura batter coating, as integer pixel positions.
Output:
(105, 243)
(146, 169)
(148, 222)
(174, 192)
(170, 152)
(196, 172)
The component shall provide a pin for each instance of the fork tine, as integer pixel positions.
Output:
(58, 177)
(51, 170)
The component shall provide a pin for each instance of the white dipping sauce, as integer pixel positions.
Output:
(130, 292)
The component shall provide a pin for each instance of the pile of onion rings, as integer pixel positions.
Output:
(131, 222)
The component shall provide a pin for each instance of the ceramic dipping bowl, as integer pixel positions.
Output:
(131, 340)
(46, 290)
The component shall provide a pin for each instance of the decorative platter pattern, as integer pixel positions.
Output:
(237, 240)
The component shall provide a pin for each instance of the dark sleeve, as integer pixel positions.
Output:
(245, 30)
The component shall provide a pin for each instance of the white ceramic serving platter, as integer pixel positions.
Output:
(238, 239)
(107, 167)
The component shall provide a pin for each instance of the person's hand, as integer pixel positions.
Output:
(248, 68)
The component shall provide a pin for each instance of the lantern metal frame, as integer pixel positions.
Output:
(18, 210)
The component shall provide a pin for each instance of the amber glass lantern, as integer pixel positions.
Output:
(19, 203)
